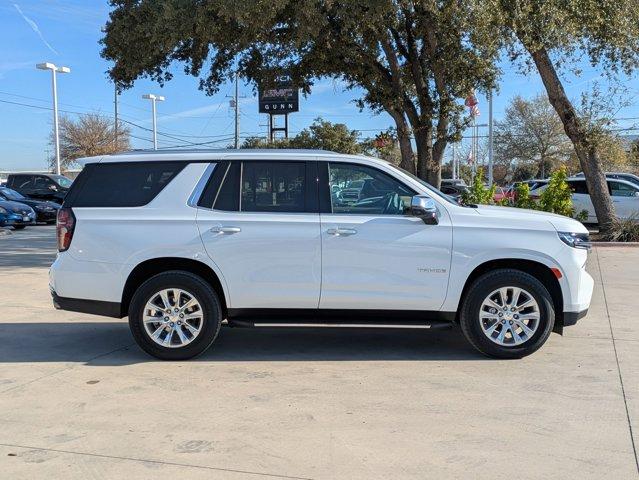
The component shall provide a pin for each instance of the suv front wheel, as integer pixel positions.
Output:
(175, 315)
(507, 313)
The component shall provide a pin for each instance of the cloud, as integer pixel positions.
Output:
(10, 66)
(35, 28)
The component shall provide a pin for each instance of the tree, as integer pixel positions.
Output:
(531, 133)
(91, 134)
(321, 135)
(548, 35)
(413, 59)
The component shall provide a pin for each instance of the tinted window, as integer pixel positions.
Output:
(618, 189)
(358, 189)
(273, 187)
(22, 181)
(228, 198)
(43, 182)
(125, 184)
(578, 186)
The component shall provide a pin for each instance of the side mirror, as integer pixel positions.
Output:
(53, 187)
(425, 208)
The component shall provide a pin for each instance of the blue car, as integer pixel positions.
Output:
(16, 215)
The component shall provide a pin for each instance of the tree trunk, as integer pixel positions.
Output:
(587, 153)
(405, 145)
(425, 167)
(435, 166)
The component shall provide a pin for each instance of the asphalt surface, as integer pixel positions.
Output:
(79, 400)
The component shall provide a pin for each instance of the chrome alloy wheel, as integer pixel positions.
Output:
(509, 316)
(173, 318)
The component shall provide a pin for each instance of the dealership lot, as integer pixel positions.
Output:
(79, 400)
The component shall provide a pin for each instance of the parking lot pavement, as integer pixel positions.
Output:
(79, 400)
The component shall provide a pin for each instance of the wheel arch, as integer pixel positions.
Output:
(147, 269)
(541, 272)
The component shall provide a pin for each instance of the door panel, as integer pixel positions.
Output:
(384, 262)
(272, 261)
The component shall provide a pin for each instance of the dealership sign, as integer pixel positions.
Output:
(281, 99)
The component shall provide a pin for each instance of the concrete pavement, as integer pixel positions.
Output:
(79, 400)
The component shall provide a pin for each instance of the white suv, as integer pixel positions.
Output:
(184, 241)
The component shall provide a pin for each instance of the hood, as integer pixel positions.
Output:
(522, 215)
(39, 203)
(16, 207)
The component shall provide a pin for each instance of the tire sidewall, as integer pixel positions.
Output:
(212, 314)
(486, 284)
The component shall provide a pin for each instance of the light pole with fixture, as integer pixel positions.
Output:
(56, 134)
(154, 98)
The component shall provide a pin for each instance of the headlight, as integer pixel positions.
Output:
(575, 240)
(3, 210)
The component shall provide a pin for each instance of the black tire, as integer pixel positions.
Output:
(19, 227)
(482, 287)
(195, 285)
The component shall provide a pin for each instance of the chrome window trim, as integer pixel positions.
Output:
(194, 198)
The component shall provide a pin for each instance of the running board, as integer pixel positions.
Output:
(422, 326)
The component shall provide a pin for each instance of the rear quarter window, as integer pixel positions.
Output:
(122, 184)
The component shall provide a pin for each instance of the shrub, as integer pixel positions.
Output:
(557, 197)
(626, 230)
(478, 193)
(523, 198)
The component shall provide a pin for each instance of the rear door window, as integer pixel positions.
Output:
(273, 186)
(127, 184)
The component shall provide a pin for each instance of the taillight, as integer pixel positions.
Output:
(64, 228)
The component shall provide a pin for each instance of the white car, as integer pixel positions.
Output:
(625, 197)
(184, 241)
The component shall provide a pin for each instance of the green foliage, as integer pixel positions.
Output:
(523, 198)
(321, 135)
(478, 193)
(557, 197)
(413, 60)
(624, 230)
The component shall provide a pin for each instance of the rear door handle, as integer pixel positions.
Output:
(341, 232)
(221, 229)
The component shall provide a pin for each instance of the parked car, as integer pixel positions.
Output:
(16, 215)
(625, 197)
(40, 186)
(46, 212)
(180, 242)
(454, 191)
(629, 177)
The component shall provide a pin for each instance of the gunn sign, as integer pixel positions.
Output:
(279, 100)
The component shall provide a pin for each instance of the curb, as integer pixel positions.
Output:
(616, 244)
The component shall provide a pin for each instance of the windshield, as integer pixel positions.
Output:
(61, 180)
(11, 194)
(448, 198)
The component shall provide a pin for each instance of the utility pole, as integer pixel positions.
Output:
(115, 105)
(490, 138)
(237, 111)
(54, 86)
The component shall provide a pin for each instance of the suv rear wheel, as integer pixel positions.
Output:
(507, 313)
(175, 315)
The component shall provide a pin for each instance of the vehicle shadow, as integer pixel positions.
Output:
(109, 343)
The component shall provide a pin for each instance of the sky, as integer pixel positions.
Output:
(67, 33)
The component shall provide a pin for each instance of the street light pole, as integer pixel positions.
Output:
(490, 138)
(154, 98)
(54, 87)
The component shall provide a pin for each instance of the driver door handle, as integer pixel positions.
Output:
(341, 232)
(221, 229)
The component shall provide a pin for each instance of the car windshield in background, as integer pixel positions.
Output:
(11, 194)
(61, 180)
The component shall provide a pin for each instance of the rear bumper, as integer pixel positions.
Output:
(92, 307)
